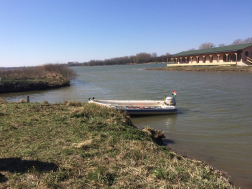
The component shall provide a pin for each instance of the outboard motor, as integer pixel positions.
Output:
(171, 101)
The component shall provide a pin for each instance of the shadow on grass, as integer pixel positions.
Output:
(22, 166)
(2, 178)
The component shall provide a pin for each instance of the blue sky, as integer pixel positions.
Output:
(36, 32)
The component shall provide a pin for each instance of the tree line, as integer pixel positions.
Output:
(235, 42)
(143, 57)
(139, 58)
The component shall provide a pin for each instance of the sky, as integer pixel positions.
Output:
(37, 32)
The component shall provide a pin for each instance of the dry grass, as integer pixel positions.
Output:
(80, 145)
(35, 78)
(45, 71)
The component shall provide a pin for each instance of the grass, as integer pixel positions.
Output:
(80, 145)
(35, 78)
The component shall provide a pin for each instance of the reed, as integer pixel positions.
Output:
(45, 71)
(35, 78)
(80, 145)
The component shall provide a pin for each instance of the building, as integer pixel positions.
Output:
(240, 55)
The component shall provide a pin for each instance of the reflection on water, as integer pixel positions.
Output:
(214, 116)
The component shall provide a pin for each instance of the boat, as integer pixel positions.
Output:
(141, 107)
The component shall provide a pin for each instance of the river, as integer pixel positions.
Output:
(214, 119)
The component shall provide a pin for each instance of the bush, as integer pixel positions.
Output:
(62, 70)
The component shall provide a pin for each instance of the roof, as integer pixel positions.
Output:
(213, 50)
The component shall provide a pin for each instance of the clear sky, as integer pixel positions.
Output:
(36, 32)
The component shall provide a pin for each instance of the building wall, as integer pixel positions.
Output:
(208, 59)
(225, 58)
(249, 50)
(213, 58)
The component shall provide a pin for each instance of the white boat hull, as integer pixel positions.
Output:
(140, 107)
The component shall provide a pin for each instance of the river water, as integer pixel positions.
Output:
(214, 119)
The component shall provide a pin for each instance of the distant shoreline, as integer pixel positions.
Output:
(247, 69)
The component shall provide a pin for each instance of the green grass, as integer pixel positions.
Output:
(80, 145)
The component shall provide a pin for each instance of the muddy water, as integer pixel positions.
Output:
(214, 120)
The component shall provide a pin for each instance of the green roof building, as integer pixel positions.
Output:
(228, 55)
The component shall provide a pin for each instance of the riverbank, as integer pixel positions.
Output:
(80, 145)
(21, 85)
(206, 68)
(35, 78)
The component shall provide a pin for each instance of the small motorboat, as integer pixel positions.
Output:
(141, 107)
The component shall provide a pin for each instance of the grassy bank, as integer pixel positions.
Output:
(206, 68)
(35, 78)
(80, 145)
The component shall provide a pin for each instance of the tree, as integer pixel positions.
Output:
(192, 49)
(206, 46)
(154, 57)
(248, 40)
(237, 41)
(143, 57)
(154, 54)
(222, 45)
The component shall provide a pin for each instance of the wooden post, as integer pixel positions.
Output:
(28, 99)
(227, 54)
(236, 57)
(218, 57)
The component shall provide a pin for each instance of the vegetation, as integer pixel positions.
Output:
(140, 58)
(80, 145)
(236, 42)
(35, 78)
(206, 46)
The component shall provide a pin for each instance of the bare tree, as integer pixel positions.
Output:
(153, 57)
(142, 57)
(222, 45)
(237, 41)
(154, 54)
(192, 49)
(248, 40)
(206, 46)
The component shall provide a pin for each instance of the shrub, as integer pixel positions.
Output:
(38, 72)
(62, 70)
